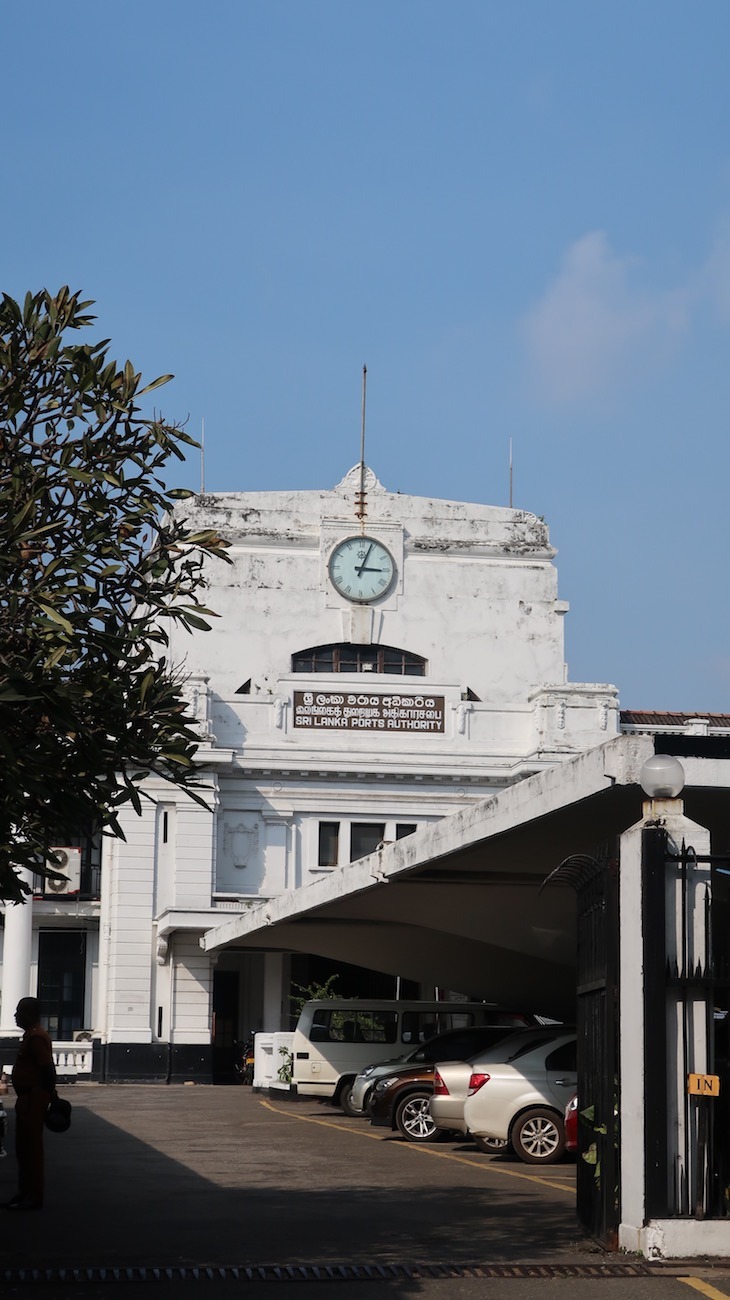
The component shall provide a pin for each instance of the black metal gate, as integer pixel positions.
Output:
(686, 1004)
(595, 881)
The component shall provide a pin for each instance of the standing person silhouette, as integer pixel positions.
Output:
(34, 1081)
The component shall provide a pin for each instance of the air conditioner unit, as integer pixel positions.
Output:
(68, 861)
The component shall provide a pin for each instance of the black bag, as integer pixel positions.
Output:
(58, 1115)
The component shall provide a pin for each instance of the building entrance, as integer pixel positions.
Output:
(595, 881)
(62, 981)
(225, 1025)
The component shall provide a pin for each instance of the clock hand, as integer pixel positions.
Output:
(365, 568)
(365, 560)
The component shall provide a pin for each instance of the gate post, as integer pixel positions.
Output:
(654, 1140)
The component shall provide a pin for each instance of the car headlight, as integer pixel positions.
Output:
(384, 1084)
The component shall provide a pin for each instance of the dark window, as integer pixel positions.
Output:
(529, 1043)
(365, 838)
(329, 836)
(361, 1026)
(459, 1046)
(422, 1026)
(564, 1058)
(377, 1026)
(403, 829)
(346, 658)
(61, 981)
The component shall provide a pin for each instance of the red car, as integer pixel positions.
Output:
(571, 1124)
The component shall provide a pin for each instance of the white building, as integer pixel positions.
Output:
(380, 662)
(393, 761)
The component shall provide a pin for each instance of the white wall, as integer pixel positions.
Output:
(476, 593)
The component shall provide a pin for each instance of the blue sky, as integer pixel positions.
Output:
(516, 213)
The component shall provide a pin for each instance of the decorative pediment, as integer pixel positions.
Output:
(351, 481)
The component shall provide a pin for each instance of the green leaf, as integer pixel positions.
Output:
(145, 684)
(55, 658)
(54, 615)
(12, 695)
(156, 383)
(192, 620)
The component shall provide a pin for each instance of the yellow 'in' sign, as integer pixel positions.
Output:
(703, 1085)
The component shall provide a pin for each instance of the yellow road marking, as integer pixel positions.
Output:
(704, 1288)
(426, 1150)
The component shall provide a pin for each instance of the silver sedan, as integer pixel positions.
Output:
(450, 1090)
(519, 1091)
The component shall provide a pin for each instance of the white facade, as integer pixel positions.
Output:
(329, 723)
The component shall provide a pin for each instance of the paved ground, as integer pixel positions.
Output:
(159, 1178)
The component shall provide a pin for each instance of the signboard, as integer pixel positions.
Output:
(703, 1085)
(365, 711)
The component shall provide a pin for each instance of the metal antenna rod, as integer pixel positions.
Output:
(360, 508)
(202, 457)
(510, 473)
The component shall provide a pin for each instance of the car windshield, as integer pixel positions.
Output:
(519, 1044)
(459, 1044)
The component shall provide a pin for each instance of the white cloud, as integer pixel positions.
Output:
(593, 329)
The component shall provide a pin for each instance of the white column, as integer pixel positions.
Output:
(17, 945)
(275, 973)
(100, 1016)
(192, 985)
(631, 1038)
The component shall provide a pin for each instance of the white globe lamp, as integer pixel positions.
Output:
(662, 777)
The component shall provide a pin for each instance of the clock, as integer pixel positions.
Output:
(361, 568)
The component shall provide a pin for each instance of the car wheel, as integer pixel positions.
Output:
(353, 1111)
(343, 1092)
(491, 1146)
(538, 1137)
(413, 1120)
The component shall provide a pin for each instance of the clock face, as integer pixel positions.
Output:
(361, 569)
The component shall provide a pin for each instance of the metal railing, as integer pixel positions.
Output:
(687, 1018)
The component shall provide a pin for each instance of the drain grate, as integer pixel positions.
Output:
(323, 1272)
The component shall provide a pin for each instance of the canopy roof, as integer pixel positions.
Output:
(459, 903)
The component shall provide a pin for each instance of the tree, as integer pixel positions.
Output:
(93, 564)
(314, 992)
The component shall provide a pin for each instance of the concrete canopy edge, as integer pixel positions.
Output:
(619, 761)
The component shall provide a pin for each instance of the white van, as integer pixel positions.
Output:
(336, 1038)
